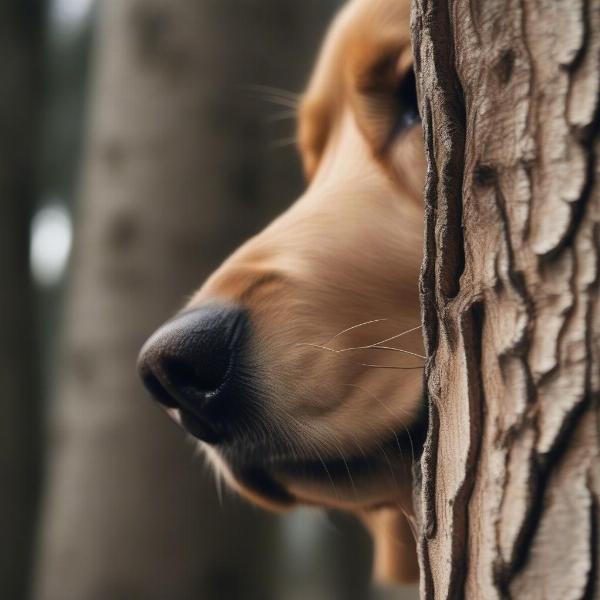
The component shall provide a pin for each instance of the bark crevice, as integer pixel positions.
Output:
(510, 94)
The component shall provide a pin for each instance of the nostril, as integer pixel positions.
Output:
(158, 391)
(191, 379)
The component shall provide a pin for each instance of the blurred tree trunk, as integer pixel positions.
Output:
(175, 177)
(511, 470)
(20, 60)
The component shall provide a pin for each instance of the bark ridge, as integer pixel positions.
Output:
(511, 470)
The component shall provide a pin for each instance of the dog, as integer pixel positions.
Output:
(298, 364)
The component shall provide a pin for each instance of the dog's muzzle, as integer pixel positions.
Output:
(195, 364)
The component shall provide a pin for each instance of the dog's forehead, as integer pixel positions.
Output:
(363, 33)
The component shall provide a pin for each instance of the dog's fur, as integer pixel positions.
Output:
(332, 283)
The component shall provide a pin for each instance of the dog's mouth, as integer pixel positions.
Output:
(277, 470)
(372, 478)
(277, 476)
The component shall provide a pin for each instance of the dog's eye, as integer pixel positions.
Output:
(408, 105)
(385, 100)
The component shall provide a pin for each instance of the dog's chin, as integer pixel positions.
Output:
(347, 489)
(374, 479)
(353, 483)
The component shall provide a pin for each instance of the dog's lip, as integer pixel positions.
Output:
(254, 463)
(193, 425)
(263, 484)
(252, 476)
(281, 481)
(196, 426)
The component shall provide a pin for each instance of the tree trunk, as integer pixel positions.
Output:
(175, 177)
(20, 64)
(511, 470)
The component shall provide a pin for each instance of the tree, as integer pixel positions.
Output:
(20, 60)
(511, 467)
(174, 178)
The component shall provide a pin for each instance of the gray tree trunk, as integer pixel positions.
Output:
(511, 470)
(176, 175)
(20, 64)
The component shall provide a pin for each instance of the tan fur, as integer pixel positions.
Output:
(395, 552)
(348, 251)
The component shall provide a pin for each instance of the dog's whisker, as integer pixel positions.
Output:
(327, 471)
(281, 116)
(370, 347)
(315, 449)
(391, 367)
(348, 471)
(377, 347)
(359, 446)
(319, 346)
(281, 102)
(412, 522)
(368, 365)
(354, 327)
(398, 335)
(284, 142)
(272, 90)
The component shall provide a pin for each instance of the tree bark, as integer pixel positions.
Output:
(176, 175)
(511, 468)
(20, 64)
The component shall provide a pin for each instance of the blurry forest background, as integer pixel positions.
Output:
(142, 141)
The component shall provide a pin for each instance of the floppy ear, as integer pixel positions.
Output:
(395, 550)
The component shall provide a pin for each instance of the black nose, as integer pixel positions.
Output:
(192, 363)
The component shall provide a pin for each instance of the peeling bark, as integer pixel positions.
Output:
(511, 469)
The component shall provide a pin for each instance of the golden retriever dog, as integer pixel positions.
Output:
(298, 364)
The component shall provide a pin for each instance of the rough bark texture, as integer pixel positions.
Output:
(20, 62)
(509, 95)
(176, 174)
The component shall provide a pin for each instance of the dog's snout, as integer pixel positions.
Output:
(191, 363)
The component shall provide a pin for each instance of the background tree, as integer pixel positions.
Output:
(20, 63)
(178, 171)
(511, 470)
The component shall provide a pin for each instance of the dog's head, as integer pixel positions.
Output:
(297, 364)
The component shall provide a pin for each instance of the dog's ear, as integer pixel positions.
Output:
(382, 91)
(395, 552)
